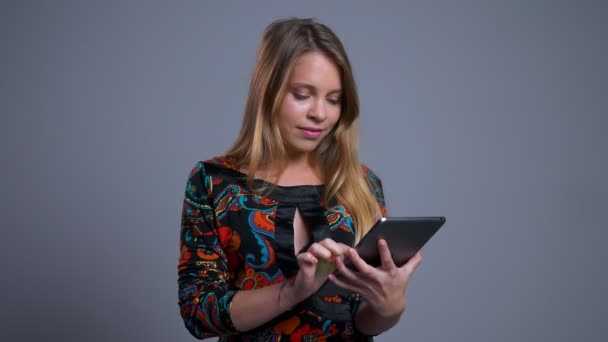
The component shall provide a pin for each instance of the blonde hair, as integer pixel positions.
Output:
(259, 142)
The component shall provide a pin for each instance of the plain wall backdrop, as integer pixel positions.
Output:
(492, 113)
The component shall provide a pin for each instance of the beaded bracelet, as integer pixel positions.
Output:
(280, 293)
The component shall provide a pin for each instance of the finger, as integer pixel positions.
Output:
(307, 263)
(320, 251)
(359, 264)
(343, 283)
(346, 278)
(386, 259)
(306, 258)
(413, 263)
(343, 248)
(333, 247)
(342, 271)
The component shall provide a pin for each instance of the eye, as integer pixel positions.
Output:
(300, 97)
(334, 102)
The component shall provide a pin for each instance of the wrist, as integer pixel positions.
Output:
(286, 295)
(371, 320)
(387, 312)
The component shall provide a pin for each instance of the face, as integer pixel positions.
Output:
(312, 104)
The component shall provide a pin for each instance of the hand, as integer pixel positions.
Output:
(315, 266)
(384, 287)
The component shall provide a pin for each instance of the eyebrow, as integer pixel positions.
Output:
(313, 88)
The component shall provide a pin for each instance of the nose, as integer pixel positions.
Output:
(317, 111)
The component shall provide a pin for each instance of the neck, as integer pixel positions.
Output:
(299, 170)
(307, 161)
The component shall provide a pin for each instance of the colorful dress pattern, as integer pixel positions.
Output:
(233, 239)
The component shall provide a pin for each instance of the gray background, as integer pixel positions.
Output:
(492, 113)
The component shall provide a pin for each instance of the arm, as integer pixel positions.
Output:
(373, 319)
(207, 305)
(382, 289)
(268, 302)
(371, 323)
(204, 298)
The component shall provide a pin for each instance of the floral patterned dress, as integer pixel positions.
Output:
(235, 240)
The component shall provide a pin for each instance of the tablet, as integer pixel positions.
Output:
(405, 237)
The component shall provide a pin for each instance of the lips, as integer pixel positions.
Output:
(311, 132)
(311, 129)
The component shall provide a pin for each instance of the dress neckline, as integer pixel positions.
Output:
(305, 194)
(229, 164)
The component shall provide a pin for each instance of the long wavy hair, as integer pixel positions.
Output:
(260, 143)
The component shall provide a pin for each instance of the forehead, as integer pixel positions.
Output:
(317, 70)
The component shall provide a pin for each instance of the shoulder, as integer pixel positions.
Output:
(375, 185)
(197, 187)
(216, 167)
(215, 174)
(371, 176)
(222, 161)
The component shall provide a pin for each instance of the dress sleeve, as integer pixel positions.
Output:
(376, 187)
(204, 298)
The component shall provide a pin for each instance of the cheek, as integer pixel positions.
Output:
(334, 115)
(288, 115)
(292, 108)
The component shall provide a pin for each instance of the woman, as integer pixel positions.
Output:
(265, 225)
